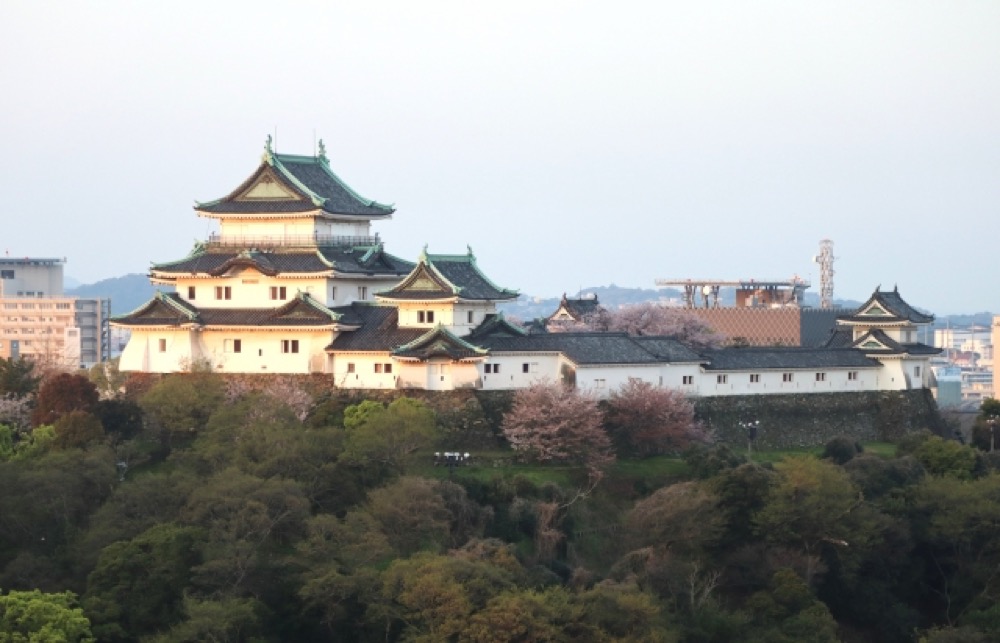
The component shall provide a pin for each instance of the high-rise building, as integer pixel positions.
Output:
(39, 322)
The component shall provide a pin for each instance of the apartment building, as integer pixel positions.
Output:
(39, 322)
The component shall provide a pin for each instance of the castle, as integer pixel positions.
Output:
(295, 282)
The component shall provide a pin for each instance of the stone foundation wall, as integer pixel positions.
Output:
(788, 421)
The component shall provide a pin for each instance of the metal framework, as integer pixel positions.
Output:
(749, 292)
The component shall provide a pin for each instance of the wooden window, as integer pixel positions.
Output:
(350, 367)
(362, 292)
(163, 345)
(852, 375)
(755, 378)
(524, 367)
(786, 377)
(471, 316)
(820, 377)
(425, 316)
(279, 292)
(721, 379)
(420, 317)
(378, 368)
(687, 379)
(191, 292)
(232, 345)
(289, 346)
(492, 368)
(388, 368)
(223, 292)
(383, 368)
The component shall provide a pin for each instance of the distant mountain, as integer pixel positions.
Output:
(126, 293)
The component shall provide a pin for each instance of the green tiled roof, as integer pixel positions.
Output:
(311, 184)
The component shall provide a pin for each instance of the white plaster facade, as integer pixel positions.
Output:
(278, 292)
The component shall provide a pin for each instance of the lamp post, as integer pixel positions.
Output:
(992, 422)
(750, 427)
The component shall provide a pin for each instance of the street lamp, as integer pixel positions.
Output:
(750, 428)
(992, 421)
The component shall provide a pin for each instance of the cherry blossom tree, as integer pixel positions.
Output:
(648, 420)
(549, 422)
(648, 319)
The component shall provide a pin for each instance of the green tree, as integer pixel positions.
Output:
(250, 523)
(788, 612)
(35, 617)
(6, 442)
(226, 619)
(986, 430)
(17, 377)
(340, 559)
(683, 517)
(387, 436)
(77, 429)
(121, 419)
(35, 443)
(180, 405)
(137, 586)
(110, 381)
(419, 513)
(946, 458)
(813, 506)
(957, 525)
(47, 499)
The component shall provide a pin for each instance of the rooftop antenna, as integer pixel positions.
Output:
(825, 260)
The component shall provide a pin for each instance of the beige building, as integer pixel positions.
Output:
(995, 334)
(39, 322)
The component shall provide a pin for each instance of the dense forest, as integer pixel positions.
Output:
(196, 507)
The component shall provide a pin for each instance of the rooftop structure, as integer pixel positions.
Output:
(750, 293)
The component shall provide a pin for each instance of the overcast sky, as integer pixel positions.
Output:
(568, 143)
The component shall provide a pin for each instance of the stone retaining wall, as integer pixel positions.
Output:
(788, 421)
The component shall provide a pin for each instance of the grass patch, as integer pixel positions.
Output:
(498, 464)
(662, 465)
(883, 449)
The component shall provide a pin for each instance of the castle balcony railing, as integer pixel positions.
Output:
(266, 242)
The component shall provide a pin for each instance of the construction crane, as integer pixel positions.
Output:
(750, 293)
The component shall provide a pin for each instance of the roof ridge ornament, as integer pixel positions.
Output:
(322, 151)
(268, 149)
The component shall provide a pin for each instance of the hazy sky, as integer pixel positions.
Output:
(568, 143)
